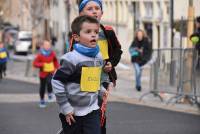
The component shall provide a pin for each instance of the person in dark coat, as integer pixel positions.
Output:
(140, 51)
(195, 38)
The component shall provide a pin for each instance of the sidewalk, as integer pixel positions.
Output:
(124, 91)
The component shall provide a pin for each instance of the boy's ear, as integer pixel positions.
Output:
(76, 37)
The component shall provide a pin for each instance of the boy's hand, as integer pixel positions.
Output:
(105, 94)
(108, 67)
(110, 87)
(70, 119)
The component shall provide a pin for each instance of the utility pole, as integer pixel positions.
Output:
(37, 15)
(172, 21)
(190, 25)
(172, 65)
(68, 12)
(117, 16)
(46, 21)
(33, 5)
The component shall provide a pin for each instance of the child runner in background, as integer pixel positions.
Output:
(3, 60)
(47, 62)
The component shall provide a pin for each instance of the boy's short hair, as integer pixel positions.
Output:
(78, 22)
(46, 40)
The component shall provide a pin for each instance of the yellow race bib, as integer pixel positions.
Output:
(3, 55)
(90, 79)
(48, 67)
(103, 46)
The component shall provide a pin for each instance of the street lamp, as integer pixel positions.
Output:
(68, 10)
(172, 65)
(190, 26)
(172, 21)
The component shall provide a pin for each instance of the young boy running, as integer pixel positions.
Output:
(77, 83)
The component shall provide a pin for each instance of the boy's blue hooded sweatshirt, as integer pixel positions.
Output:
(3, 55)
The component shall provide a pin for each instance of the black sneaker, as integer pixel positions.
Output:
(139, 88)
(4, 74)
(1, 75)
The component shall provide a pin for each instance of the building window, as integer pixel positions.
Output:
(148, 9)
(160, 11)
(137, 9)
(121, 11)
(167, 7)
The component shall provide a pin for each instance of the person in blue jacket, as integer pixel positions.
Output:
(3, 60)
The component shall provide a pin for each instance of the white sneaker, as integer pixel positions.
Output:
(51, 98)
(42, 104)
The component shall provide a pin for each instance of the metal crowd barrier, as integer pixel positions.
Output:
(174, 71)
(27, 61)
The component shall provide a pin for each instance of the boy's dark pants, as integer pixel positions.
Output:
(103, 128)
(43, 83)
(2, 69)
(88, 124)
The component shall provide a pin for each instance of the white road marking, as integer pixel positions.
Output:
(19, 98)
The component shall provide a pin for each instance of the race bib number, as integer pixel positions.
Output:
(90, 79)
(103, 46)
(3, 55)
(48, 67)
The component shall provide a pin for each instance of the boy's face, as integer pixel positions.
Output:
(89, 34)
(92, 9)
(140, 35)
(46, 45)
(1, 45)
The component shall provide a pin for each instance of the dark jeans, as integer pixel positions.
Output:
(138, 74)
(45, 83)
(88, 124)
(103, 128)
(2, 69)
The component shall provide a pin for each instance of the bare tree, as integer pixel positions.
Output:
(40, 16)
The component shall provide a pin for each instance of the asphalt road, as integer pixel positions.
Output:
(20, 114)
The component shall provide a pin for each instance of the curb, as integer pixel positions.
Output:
(174, 107)
(23, 79)
(116, 98)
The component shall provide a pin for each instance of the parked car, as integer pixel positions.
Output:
(23, 43)
(9, 36)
